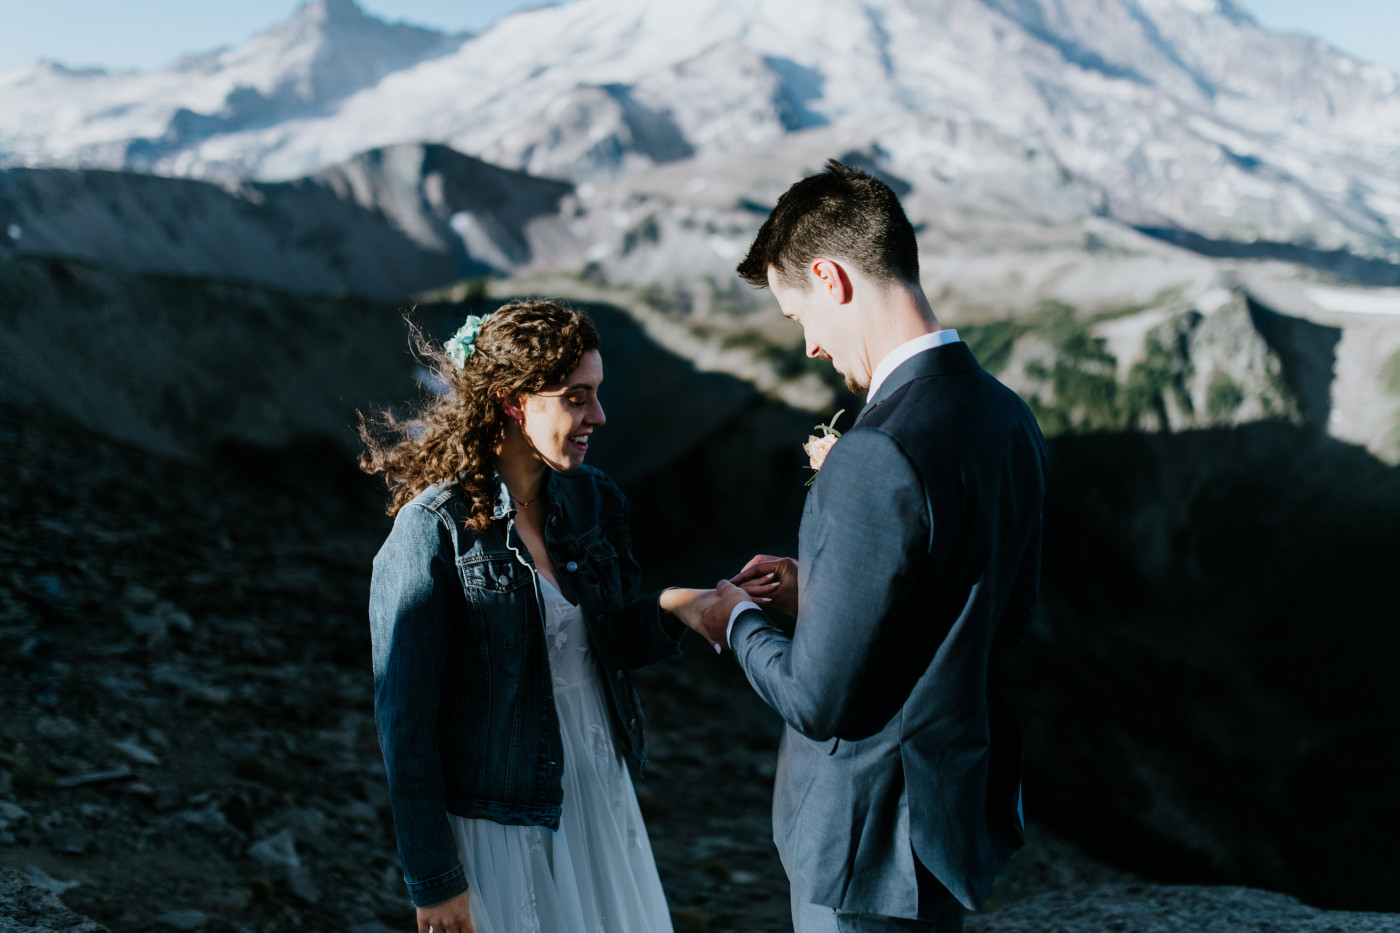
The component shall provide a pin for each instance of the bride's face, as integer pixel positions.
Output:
(558, 421)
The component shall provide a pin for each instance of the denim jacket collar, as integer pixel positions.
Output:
(505, 505)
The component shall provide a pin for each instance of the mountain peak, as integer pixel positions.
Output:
(322, 11)
(328, 50)
(1203, 7)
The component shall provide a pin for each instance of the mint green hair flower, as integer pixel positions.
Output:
(463, 343)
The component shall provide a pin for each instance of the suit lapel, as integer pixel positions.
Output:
(938, 361)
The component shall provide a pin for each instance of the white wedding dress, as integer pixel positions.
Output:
(595, 874)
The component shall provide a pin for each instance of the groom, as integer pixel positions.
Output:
(897, 795)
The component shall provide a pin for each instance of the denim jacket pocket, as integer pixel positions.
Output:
(498, 590)
(601, 563)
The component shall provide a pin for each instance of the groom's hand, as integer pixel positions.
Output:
(715, 623)
(784, 574)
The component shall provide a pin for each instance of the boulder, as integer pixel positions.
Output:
(27, 908)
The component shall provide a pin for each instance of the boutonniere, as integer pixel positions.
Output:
(817, 447)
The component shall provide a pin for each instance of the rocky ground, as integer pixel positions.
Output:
(187, 740)
(186, 729)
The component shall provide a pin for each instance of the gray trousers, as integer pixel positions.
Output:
(813, 918)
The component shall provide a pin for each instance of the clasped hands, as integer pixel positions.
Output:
(765, 580)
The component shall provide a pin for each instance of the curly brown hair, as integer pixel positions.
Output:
(524, 347)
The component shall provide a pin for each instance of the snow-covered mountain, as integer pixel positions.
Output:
(330, 49)
(1170, 114)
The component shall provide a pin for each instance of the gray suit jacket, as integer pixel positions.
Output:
(920, 560)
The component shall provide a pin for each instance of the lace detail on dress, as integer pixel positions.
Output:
(606, 762)
(559, 641)
(529, 914)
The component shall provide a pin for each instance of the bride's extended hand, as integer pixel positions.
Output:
(689, 606)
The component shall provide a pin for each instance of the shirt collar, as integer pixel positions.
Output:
(903, 352)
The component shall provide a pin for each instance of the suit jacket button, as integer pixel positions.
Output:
(632, 725)
(571, 566)
(618, 675)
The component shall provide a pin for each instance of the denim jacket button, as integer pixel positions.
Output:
(503, 579)
(571, 566)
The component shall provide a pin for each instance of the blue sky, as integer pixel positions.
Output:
(148, 34)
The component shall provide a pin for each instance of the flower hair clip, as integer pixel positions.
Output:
(463, 343)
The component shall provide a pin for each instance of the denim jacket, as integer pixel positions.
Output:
(463, 696)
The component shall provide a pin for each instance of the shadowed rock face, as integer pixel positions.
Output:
(483, 216)
(1340, 262)
(177, 365)
(382, 224)
(1208, 694)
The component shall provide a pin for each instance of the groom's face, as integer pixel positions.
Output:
(823, 325)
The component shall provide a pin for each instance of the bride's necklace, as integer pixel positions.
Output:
(523, 503)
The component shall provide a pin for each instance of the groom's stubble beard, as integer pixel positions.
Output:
(855, 386)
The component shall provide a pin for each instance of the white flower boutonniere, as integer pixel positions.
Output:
(817, 447)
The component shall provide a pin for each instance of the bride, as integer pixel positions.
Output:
(504, 623)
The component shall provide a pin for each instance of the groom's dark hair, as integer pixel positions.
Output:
(840, 212)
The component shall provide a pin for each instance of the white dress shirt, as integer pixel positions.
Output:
(903, 352)
(887, 365)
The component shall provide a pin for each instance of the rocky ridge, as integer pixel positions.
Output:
(384, 224)
(1223, 359)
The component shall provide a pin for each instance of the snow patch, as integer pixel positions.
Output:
(1378, 301)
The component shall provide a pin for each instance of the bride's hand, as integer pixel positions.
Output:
(452, 916)
(689, 606)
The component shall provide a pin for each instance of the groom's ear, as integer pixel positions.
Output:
(833, 279)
